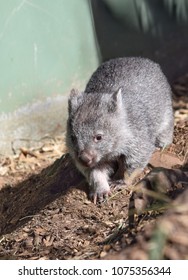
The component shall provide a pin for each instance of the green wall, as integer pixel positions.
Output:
(45, 46)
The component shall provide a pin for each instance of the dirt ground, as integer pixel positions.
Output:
(45, 212)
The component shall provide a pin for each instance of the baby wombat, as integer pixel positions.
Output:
(123, 114)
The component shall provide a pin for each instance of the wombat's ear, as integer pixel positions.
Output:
(75, 99)
(116, 100)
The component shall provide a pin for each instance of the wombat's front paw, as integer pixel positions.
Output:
(99, 193)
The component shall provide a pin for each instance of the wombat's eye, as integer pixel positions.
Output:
(97, 138)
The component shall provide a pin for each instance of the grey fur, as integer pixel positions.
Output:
(127, 102)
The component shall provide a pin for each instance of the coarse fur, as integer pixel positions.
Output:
(123, 114)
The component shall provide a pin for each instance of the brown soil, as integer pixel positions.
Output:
(45, 212)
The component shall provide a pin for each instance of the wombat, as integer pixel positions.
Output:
(124, 113)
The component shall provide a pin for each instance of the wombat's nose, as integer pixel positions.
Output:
(86, 158)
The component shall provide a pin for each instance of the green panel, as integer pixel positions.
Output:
(45, 48)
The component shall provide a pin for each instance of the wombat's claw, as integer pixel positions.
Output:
(95, 198)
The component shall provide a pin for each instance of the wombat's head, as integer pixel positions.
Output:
(93, 126)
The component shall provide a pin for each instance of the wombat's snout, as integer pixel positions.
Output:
(87, 158)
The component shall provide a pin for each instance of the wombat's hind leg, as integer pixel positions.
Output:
(165, 135)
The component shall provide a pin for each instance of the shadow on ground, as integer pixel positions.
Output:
(20, 203)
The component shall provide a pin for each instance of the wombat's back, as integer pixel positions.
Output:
(135, 74)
